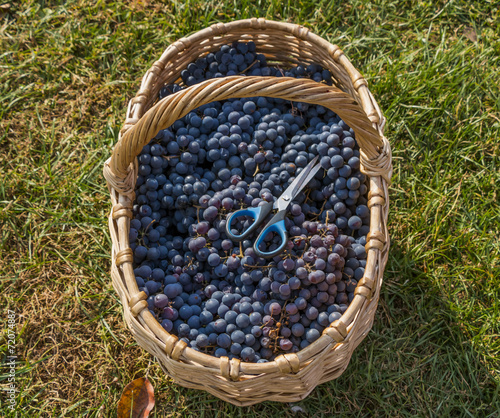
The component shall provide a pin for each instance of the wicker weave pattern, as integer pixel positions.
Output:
(290, 377)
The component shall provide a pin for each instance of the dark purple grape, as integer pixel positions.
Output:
(170, 313)
(316, 241)
(242, 320)
(167, 325)
(275, 308)
(291, 308)
(288, 264)
(320, 264)
(185, 312)
(285, 290)
(298, 330)
(255, 318)
(227, 244)
(238, 336)
(311, 313)
(210, 213)
(202, 228)
(286, 344)
(161, 301)
(312, 335)
(355, 222)
(213, 234)
(247, 354)
(316, 276)
(296, 210)
(224, 341)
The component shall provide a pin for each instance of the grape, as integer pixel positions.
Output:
(230, 317)
(220, 352)
(245, 307)
(312, 335)
(320, 264)
(194, 299)
(316, 240)
(288, 264)
(213, 260)
(294, 283)
(250, 339)
(242, 320)
(206, 317)
(236, 348)
(152, 287)
(292, 308)
(231, 328)
(193, 322)
(317, 276)
(311, 313)
(224, 341)
(355, 222)
(322, 252)
(170, 313)
(285, 290)
(334, 316)
(247, 354)
(286, 344)
(249, 107)
(238, 336)
(161, 301)
(226, 245)
(298, 330)
(185, 312)
(213, 234)
(323, 319)
(140, 281)
(279, 276)
(275, 308)
(167, 324)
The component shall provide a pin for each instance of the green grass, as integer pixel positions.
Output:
(67, 70)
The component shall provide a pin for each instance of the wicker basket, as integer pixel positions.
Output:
(290, 377)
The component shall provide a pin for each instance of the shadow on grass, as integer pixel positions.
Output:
(415, 361)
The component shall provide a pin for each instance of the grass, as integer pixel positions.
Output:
(67, 71)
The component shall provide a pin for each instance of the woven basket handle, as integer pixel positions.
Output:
(174, 107)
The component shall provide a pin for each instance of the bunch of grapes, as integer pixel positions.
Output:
(216, 294)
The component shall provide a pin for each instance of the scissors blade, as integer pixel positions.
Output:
(309, 177)
(298, 184)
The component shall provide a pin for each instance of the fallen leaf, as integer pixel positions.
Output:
(137, 399)
(470, 34)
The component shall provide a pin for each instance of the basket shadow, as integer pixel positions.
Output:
(416, 360)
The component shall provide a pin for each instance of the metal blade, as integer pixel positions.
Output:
(308, 178)
(298, 184)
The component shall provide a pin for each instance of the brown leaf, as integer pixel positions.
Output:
(137, 399)
(470, 34)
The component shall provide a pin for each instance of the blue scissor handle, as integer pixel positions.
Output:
(258, 214)
(276, 224)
